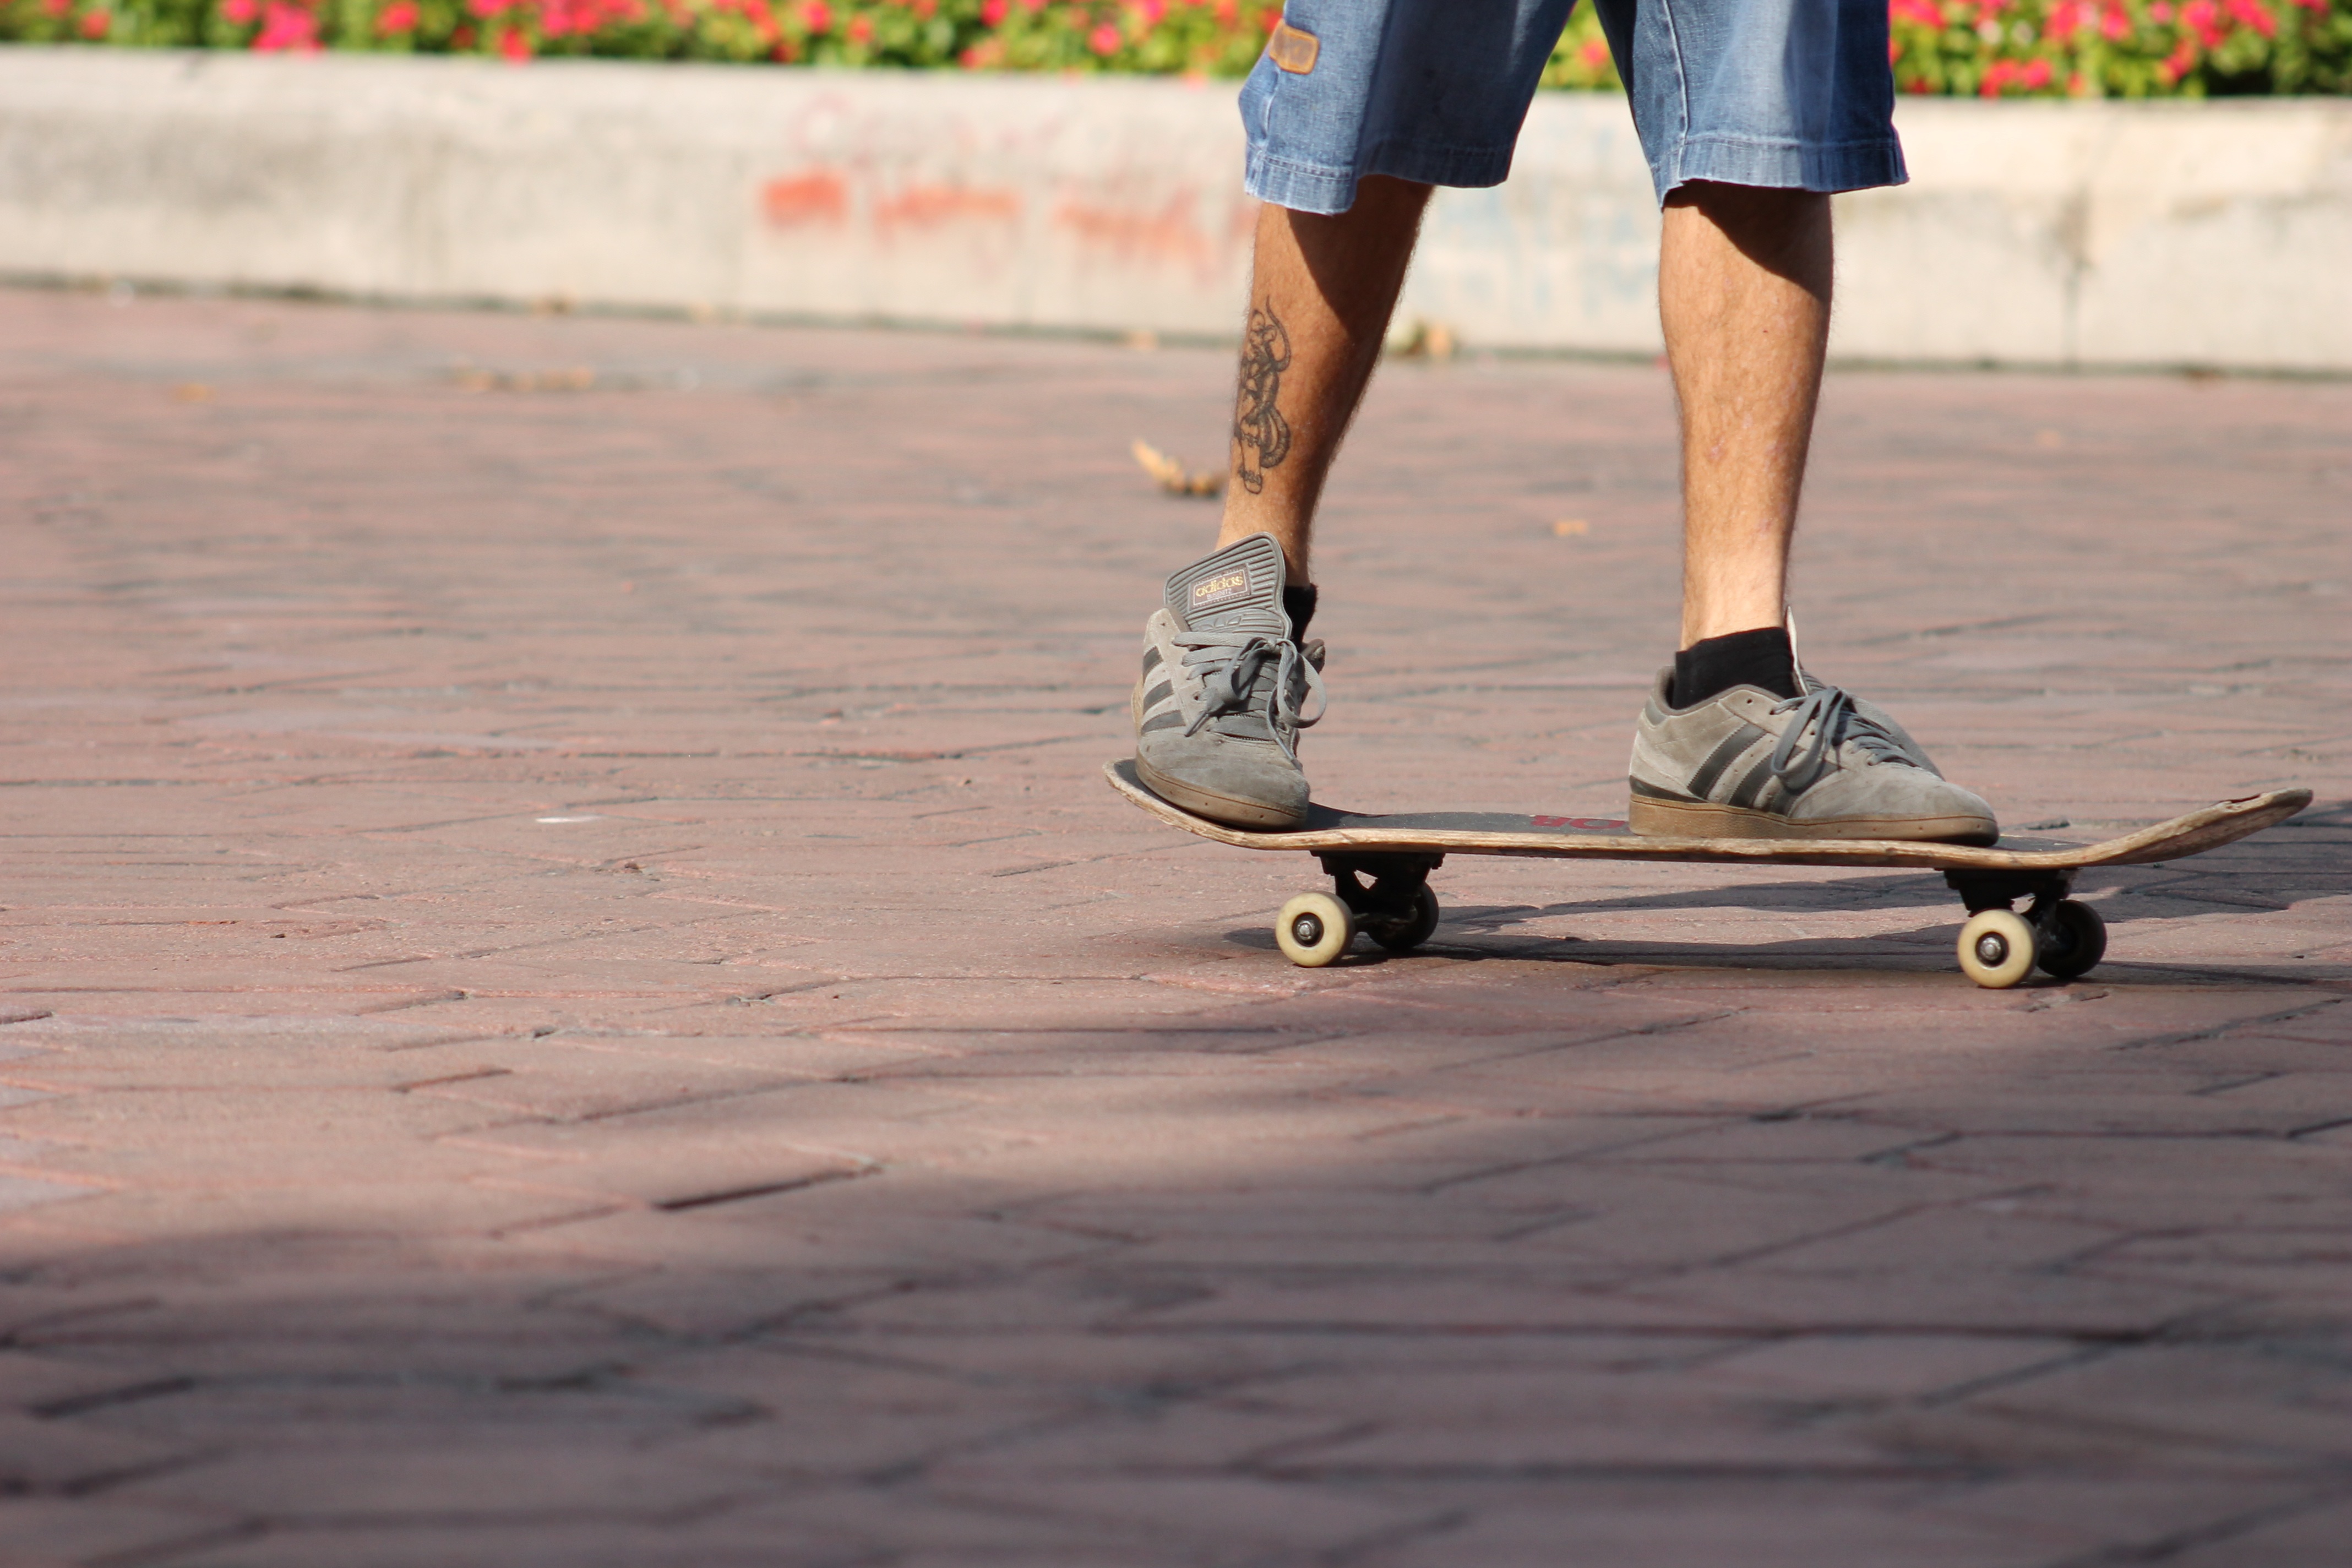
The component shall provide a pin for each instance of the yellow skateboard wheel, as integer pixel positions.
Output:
(1313, 929)
(1997, 949)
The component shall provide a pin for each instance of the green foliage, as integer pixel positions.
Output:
(1993, 48)
(2122, 48)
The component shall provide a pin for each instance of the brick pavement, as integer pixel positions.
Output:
(574, 997)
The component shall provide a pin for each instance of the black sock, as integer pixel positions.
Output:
(1298, 604)
(1761, 657)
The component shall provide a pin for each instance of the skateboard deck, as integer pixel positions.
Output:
(1997, 946)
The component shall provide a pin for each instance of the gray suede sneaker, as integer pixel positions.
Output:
(1746, 764)
(1872, 714)
(1217, 711)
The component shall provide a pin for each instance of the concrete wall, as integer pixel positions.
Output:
(2050, 234)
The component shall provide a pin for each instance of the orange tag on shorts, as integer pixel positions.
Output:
(1292, 49)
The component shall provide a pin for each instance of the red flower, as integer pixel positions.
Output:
(861, 30)
(513, 45)
(991, 13)
(289, 28)
(817, 17)
(2254, 17)
(97, 24)
(400, 17)
(237, 11)
(1105, 40)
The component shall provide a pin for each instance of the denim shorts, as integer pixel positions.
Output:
(1796, 94)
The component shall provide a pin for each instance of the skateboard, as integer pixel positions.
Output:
(1380, 869)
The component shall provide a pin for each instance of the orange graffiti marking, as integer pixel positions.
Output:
(1169, 234)
(816, 197)
(923, 205)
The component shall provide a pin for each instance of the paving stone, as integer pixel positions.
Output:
(569, 990)
(460, 1476)
(52, 1533)
(1792, 1522)
(2293, 1534)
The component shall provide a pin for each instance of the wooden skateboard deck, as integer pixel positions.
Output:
(1399, 850)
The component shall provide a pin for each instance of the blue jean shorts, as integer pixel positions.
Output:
(1796, 94)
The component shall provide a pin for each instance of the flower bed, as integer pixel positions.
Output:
(1993, 48)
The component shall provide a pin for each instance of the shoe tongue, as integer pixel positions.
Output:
(1238, 589)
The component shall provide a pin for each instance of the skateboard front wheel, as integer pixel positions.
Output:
(1997, 949)
(1313, 929)
(1404, 934)
(2071, 941)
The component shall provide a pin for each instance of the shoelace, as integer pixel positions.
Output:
(1229, 664)
(1829, 710)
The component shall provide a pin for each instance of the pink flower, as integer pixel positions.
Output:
(2036, 75)
(286, 28)
(400, 17)
(237, 11)
(2254, 17)
(861, 29)
(817, 17)
(514, 46)
(1105, 40)
(991, 13)
(97, 24)
(1152, 11)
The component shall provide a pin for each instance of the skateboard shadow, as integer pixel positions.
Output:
(1924, 951)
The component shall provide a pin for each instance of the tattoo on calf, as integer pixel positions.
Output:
(1260, 431)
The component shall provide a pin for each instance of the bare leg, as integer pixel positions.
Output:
(1743, 293)
(1320, 293)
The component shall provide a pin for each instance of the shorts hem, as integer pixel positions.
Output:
(1321, 188)
(1779, 164)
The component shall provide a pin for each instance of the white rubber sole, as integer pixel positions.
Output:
(1215, 807)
